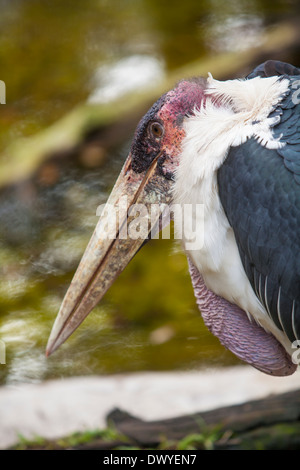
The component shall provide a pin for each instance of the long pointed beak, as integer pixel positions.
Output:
(112, 245)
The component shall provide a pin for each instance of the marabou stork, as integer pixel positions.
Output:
(234, 148)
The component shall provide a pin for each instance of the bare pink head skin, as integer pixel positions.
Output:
(150, 169)
(165, 140)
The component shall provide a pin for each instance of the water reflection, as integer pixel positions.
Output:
(127, 75)
(237, 33)
(50, 51)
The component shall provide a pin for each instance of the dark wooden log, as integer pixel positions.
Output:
(269, 420)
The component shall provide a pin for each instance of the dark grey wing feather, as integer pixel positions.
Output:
(260, 192)
(271, 68)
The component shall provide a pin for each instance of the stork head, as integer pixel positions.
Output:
(160, 132)
(147, 178)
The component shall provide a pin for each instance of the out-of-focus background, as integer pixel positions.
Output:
(79, 75)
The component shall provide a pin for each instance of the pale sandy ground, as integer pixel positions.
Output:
(59, 407)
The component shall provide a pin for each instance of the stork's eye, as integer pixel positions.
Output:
(156, 130)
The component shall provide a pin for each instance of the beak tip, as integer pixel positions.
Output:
(49, 349)
(54, 342)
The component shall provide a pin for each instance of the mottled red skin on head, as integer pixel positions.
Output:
(170, 111)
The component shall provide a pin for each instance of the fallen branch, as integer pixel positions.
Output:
(268, 423)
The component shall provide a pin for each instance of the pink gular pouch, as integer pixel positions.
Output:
(245, 338)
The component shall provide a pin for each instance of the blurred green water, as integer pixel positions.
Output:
(54, 55)
(50, 50)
